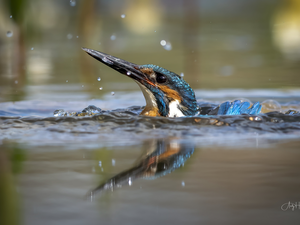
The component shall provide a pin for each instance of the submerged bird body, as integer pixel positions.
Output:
(166, 93)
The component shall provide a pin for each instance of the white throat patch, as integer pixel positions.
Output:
(174, 110)
(149, 97)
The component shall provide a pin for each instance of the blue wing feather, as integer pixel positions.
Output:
(237, 107)
(255, 109)
(244, 107)
(223, 108)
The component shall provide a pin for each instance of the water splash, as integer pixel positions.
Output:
(59, 112)
(270, 105)
(88, 111)
(100, 88)
(98, 79)
(123, 16)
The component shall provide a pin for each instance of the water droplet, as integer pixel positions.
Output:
(93, 169)
(270, 105)
(99, 43)
(32, 49)
(113, 162)
(100, 163)
(255, 118)
(258, 118)
(163, 42)
(77, 36)
(182, 74)
(9, 33)
(167, 45)
(99, 79)
(123, 16)
(10, 16)
(82, 86)
(129, 181)
(113, 37)
(128, 73)
(16, 82)
(104, 59)
(112, 93)
(182, 183)
(155, 31)
(59, 112)
(100, 88)
(72, 3)
(67, 81)
(69, 36)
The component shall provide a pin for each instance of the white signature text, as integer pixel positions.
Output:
(290, 205)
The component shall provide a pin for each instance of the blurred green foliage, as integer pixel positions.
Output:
(10, 160)
(16, 8)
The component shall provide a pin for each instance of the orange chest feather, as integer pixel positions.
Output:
(150, 112)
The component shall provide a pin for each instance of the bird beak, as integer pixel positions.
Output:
(123, 178)
(127, 68)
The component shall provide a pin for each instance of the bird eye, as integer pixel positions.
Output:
(161, 78)
(161, 166)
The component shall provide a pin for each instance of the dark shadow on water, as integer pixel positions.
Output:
(162, 157)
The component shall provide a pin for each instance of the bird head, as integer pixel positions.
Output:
(165, 92)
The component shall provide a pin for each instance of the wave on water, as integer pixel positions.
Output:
(32, 122)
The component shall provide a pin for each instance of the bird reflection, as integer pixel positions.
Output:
(162, 157)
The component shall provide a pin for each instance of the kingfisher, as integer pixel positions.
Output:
(166, 93)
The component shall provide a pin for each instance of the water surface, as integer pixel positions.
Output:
(236, 169)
